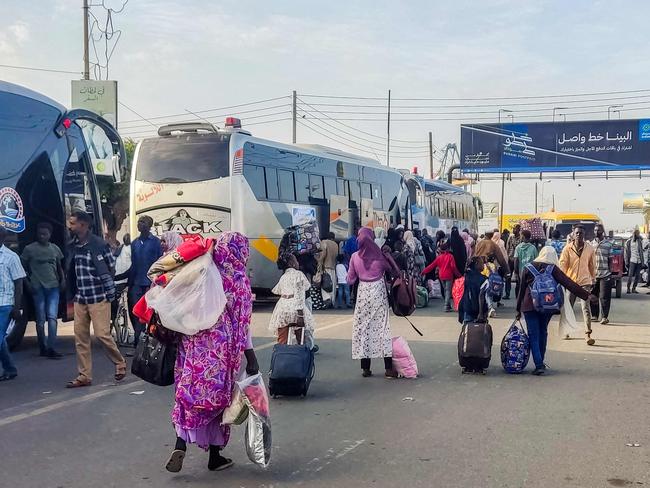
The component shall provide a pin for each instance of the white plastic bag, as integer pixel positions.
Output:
(237, 412)
(257, 437)
(568, 322)
(193, 300)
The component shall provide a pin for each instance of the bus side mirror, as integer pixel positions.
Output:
(117, 170)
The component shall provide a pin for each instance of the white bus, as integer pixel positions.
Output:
(196, 179)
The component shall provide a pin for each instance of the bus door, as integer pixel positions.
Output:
(341, 218)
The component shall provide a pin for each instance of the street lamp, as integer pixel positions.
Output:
(555, 109)
(541, 203)
(505, 111)
(609, 110)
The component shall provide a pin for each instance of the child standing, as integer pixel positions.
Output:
(472, 305)
(343, 289)
(447, 272)
(291, 309)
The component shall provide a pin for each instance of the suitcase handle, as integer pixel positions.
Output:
(292, 335)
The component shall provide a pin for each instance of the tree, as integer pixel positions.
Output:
(115, 197)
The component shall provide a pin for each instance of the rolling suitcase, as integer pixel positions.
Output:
(292, 368)
(475, 347)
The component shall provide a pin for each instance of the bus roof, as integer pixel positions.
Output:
(18, 90)
(441, 185)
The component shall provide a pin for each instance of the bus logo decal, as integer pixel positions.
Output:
(12, 215)
(183, 223)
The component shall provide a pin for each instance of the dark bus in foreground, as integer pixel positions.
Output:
(46, 172)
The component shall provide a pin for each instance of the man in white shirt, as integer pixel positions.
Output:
(634, 259)
(12, 275)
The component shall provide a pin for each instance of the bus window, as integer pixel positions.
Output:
(341, 187)
(287, 191)
(302, 187)
(377, 201)
(316, 186)
(366, 190)
(255, 177)
(272, 183)
(355, 192)
(184, 158)
(330, 186)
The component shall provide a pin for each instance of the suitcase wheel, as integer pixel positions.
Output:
(463, 371)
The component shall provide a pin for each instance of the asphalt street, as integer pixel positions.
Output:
(583, 425)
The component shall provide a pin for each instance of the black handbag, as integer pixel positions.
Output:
(326, 283)
(154, 361)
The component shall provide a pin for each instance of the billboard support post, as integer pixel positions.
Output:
(503, 187)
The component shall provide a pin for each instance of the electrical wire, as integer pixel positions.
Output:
(30, 68)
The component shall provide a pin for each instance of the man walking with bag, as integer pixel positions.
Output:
(603, 287)
(90, 267)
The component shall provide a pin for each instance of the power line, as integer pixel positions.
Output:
(257, 102)
(31, 68)
(529, 97)
(136, 113)
(359, 130)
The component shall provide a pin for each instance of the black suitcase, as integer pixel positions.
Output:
(475, 347)
(292, 369)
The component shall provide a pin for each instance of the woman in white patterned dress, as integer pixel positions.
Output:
(291, 308)
(371, 337)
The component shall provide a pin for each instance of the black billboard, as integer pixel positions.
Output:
(600, 145)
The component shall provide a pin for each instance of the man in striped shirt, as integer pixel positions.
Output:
(603, 287)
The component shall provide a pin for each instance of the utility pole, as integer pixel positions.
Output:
(535, 198)
(431, 154)
(294, 115)
(86, 54)
(503, 186)
(388, 134)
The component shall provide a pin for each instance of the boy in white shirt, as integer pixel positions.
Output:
(343, 289)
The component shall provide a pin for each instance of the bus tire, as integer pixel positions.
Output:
(17, 332)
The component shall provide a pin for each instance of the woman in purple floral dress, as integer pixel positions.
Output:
(208, 362)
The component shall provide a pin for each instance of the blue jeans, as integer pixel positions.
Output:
(537, 324)
(46, 303)
(343, 293)
(7, 364)
(447, 286)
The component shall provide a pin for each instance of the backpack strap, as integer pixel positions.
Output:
(533, 270)
(549, 269)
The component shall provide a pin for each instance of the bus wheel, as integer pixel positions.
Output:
(16, 331)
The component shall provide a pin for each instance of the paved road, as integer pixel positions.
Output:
(568, 429)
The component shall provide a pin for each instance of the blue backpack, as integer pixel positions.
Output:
(495, 285)
(515, 349)
(546, 293)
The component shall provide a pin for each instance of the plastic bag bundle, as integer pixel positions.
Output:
(568, 322)
(457, 291)
(435, 290)
(237, 412)
(257, 437)
(403, 359)
(193, 301)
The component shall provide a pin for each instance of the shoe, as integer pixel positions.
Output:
(635, 292)
(604, 321)
(590, 341)
(539, 372)
(175, 461)
(391, 374)
(52, 354)
(366, 373)
(8, 376)
(492, 313)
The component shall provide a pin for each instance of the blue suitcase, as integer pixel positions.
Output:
(292, 369)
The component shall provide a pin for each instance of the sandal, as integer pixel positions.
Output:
(78, 383)
(8, 377)
(590, 341)
(175, 461)
(222, 463)
(120, 373)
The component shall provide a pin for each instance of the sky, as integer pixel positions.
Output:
(173, 57)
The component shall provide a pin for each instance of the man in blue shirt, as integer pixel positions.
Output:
(12, 275)
(145, 250)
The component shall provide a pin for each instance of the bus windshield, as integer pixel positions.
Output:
(183, 158)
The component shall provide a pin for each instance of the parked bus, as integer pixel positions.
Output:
(46, 172)
(196, 179)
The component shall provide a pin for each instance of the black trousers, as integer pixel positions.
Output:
(602, 288)
(388, 363)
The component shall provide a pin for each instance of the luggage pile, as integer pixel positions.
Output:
(303, 238)
(535, 227)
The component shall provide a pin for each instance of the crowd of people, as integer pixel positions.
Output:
(351, 274)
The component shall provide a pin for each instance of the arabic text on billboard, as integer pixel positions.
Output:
(607, 145)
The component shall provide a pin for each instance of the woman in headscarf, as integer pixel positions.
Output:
(537, 322)
(391, 238)
(418, 253)
(469, 243)
(458, 249)
(207, 363)
(371, 337)
(169, 241)
(496, 238)
(380, 236)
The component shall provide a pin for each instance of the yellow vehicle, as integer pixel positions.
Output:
(562, 221)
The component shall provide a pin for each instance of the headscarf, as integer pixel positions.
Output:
(547, 255)
(380, 236)
(392, 237)
(469, 240)
(409, 238)
(369, 252)
(458, 249)
(207, 363)
(351, 245)
(170, 240)
(496, 238)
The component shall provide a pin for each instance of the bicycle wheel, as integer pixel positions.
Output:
(122, 324)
